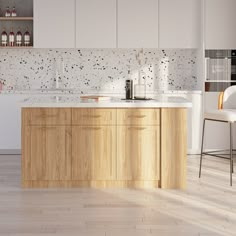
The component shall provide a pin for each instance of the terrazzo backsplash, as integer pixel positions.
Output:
(97, 70)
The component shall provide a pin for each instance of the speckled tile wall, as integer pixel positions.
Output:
(97, 70)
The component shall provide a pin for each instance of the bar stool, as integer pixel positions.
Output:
(226, 113)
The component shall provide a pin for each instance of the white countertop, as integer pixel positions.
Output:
(115, 102)
(78, 92)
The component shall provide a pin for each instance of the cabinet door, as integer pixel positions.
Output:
(179, 23)
(48, 155)
(137, 23)
(95, 23)
(54, 23)
(220, 21)
(138, 152)
(93, 152)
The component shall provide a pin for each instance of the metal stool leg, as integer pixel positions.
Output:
(232, 161)
(203, 130)
(232, 148)
(231, 153)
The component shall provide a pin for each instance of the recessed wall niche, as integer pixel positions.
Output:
(23, 20)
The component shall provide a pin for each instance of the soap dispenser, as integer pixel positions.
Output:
(140, 88)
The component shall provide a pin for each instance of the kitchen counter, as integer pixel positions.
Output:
(70, 143)
(76, 92)
(161, 101)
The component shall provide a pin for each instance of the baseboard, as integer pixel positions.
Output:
(90, 184)
(194, 151)
(10, 151)
(213, 150)
(18, 151)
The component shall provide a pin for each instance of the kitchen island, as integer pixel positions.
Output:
(67, 142)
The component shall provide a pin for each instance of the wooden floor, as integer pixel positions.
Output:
(206, 208)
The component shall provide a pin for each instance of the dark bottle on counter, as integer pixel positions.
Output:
(129, 89)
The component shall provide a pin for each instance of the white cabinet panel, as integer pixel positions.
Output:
(137, 23)
(95, 23)
(220, 21)
(54, 23)
(179, 23)
(195, 123)
(10, 123)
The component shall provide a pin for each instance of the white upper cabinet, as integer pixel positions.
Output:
(220, 19)
(54, 23)
(95, 23)
(137, 23)
(179, 23)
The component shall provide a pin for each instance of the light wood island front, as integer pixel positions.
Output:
(104, 147)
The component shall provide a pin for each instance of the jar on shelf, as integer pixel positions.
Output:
(19, 38)
(11, 38)
(7, 12)
(13, 12)
(27, 38)
(4, 38)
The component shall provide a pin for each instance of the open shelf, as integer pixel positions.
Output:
(16, 18)
(23, 21)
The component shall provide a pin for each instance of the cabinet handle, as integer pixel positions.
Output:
(90, 116)
(46, 116)
(137, 128)
(93, 128)
(136, 116)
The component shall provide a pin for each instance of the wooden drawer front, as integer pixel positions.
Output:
(134, 116)
(49, 116)
(90, 116)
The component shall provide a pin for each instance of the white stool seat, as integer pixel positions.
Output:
(222, 115)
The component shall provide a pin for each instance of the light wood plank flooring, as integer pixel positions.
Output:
(206, 208)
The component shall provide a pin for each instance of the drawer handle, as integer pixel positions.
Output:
(92, 128)
(46, 116)
(90, 116)
(137, 128)
(136, 116)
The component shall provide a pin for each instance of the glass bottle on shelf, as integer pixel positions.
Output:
(27, 38)
(11, 38)
(13, 12)
(7, 12)
(4, 38)
(19, 38)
